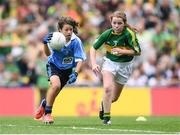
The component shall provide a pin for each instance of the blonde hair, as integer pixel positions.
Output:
(121, 14)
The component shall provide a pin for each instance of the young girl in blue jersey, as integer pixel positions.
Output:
(63, 65)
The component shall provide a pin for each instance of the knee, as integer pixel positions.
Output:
(55, 87)
(107, 91)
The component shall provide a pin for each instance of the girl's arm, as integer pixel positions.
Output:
(95, 67)
(46, 50)
(78, 66)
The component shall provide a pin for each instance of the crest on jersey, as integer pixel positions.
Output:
(115, 43)
(67, 60)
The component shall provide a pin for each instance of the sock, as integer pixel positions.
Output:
(107, 116)
(101, 112)
(48, 109)
(43, 102)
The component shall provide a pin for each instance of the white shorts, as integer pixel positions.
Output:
(120, 70)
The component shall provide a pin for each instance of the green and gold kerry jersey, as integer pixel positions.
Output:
(126, 40)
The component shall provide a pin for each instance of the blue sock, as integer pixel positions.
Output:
(48, 109)
(43, 103)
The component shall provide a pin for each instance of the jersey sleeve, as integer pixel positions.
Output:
(79, 53)
(101, 39)
(133, 42)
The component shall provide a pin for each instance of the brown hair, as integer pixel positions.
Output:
(68, 20)
(122, 15)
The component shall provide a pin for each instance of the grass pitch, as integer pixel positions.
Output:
(90, 125)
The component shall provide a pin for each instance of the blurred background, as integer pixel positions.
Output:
(154, 86)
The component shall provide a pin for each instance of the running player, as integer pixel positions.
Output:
(121, 46)
(63, 65)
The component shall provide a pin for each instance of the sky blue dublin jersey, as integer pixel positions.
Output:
(68, 56)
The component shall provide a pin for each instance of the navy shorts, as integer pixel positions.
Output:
(63, 74)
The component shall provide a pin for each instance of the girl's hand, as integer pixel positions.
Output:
(117, 51)
(47, 38)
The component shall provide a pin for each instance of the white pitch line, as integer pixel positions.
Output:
(100, 129)
(120, 130)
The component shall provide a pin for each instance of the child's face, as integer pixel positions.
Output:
(67, 30)
(117, 24)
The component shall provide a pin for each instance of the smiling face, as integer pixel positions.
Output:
(117, 24)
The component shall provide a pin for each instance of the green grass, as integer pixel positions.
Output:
(90, 125)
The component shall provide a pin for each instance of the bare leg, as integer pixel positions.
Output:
(108, 84)
(50, 98)
(117, 91)
(53, 91)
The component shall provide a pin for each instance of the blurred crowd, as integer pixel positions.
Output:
(23, 23)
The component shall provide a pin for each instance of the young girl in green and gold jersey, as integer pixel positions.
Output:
(121, 46)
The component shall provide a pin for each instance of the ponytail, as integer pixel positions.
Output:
(134, 29)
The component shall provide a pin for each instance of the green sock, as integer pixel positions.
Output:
(107, 115)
